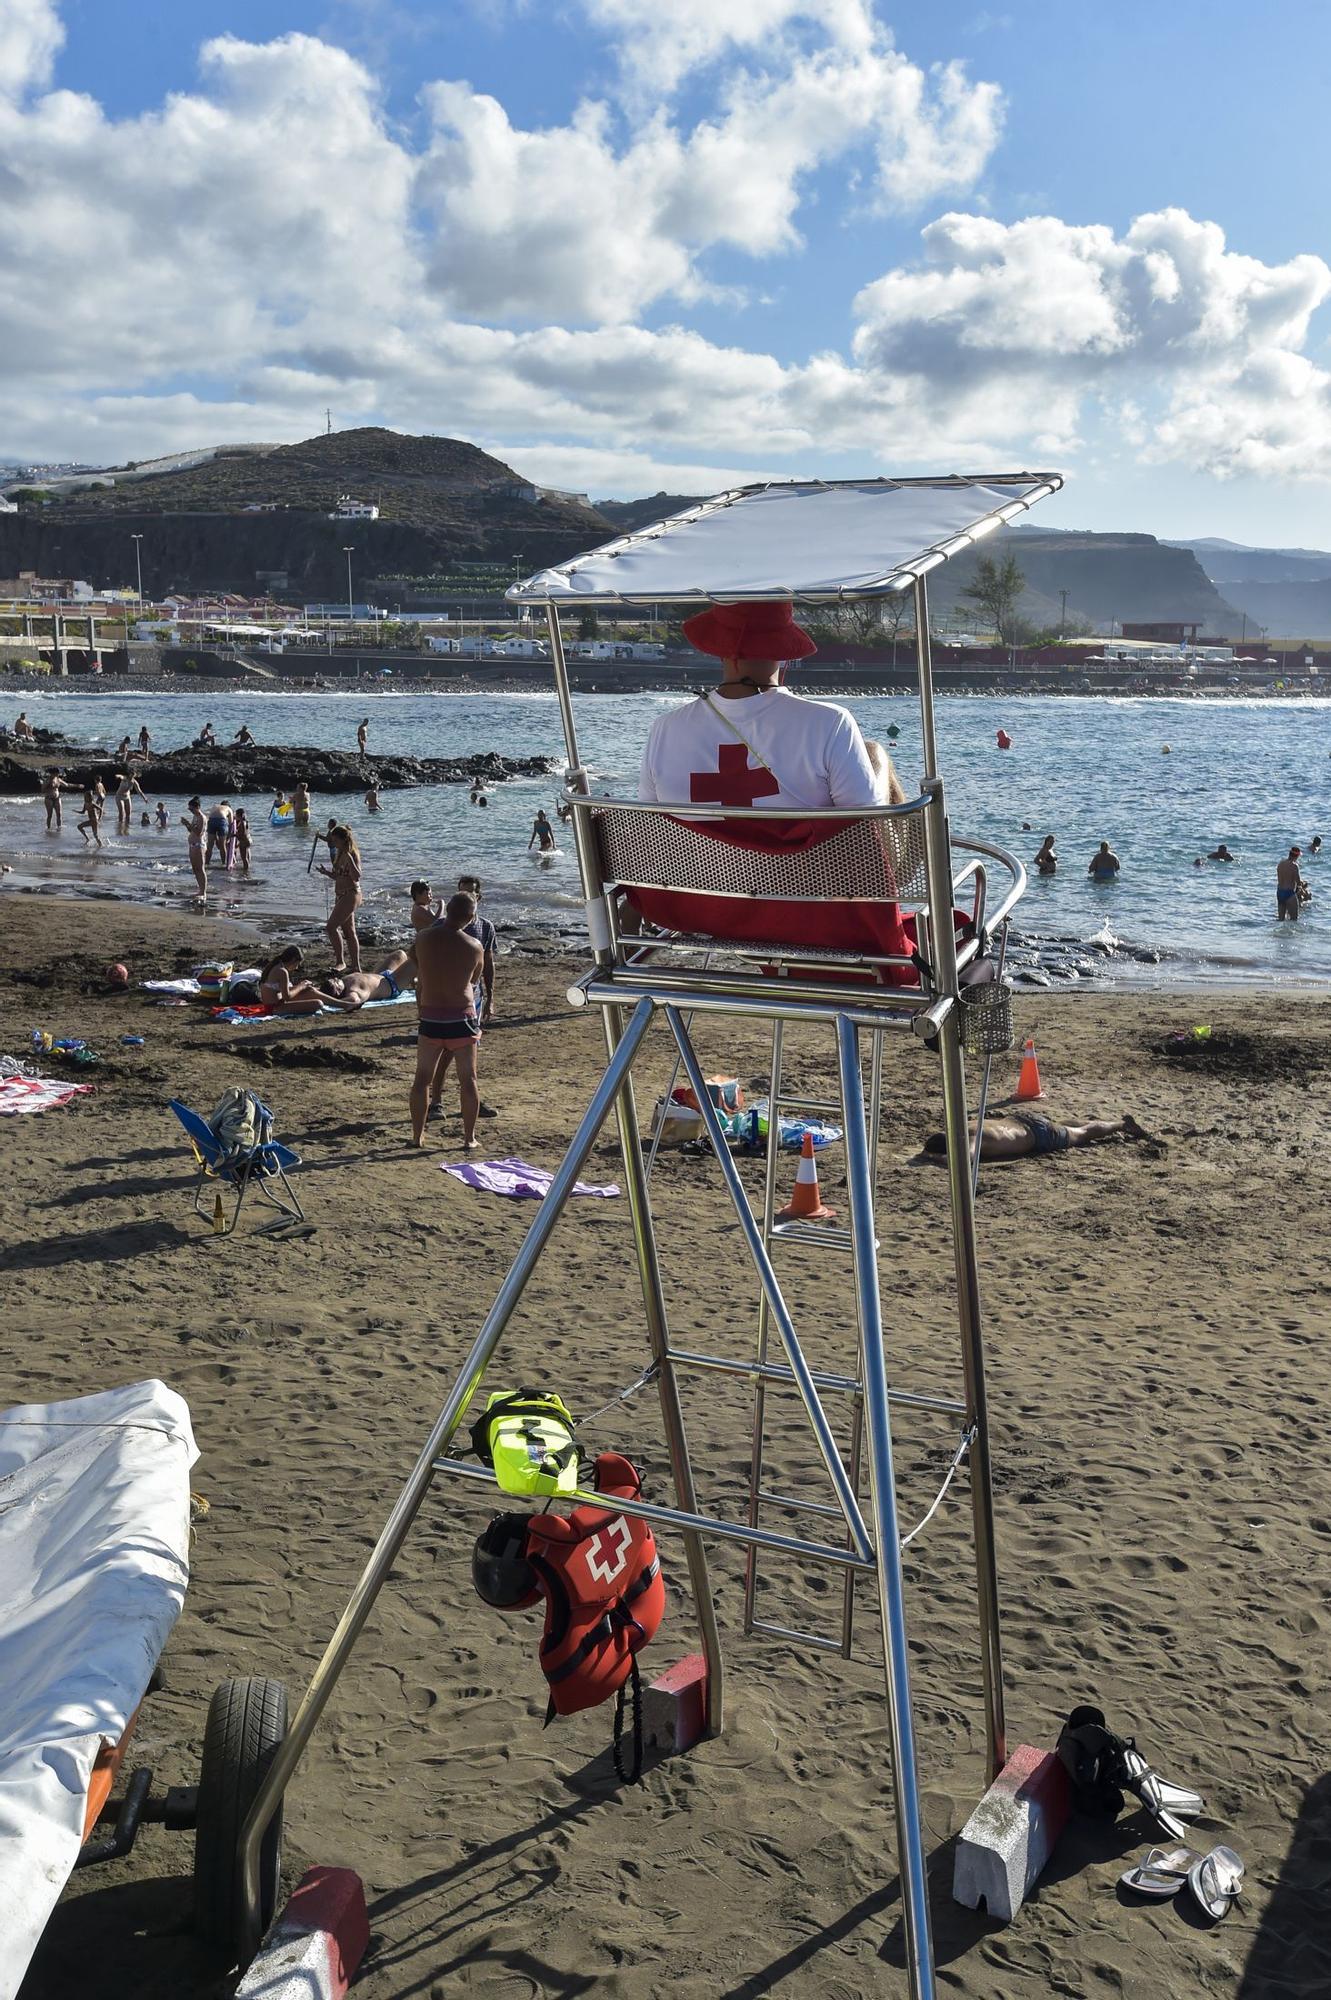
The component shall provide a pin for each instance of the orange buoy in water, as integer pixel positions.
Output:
(1004, 740)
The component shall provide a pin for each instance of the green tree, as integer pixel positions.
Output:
(859, 623)
(996, 589)
(589, 626)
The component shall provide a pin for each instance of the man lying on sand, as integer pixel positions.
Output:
(398, 976)
(1018, 1133)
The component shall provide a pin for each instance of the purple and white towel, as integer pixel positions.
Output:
(518, 1180)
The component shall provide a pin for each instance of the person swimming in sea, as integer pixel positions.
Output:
(1105, 864)
(1046, 861)
(1221, 853)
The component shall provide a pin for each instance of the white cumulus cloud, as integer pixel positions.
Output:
(1201, 345)
(268, 242)
(31, 36)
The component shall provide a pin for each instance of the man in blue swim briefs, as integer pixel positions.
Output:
(1289, 886)
(396, 976)
(448, 963)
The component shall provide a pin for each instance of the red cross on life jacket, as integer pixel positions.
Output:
(733, 783)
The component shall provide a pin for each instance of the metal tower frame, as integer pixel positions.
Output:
(622, 845)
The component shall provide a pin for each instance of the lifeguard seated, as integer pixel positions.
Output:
(753, 742)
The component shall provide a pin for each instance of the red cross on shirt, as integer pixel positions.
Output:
(732, 783)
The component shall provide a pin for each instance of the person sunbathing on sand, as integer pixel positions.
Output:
(1018, 1133)
(282, 991)
(396, 977)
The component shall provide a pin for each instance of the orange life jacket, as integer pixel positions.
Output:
(600, 1576)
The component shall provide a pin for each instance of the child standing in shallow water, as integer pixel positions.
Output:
(241, 825)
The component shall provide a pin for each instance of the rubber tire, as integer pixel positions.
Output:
(247, 1719)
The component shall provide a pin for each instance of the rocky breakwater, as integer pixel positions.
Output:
(229, 771)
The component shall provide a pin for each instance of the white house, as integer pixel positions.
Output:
(349, 509)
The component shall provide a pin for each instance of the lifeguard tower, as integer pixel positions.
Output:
(872, 924)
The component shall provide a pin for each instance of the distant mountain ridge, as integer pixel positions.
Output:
(1284, 592)
(239, 517)
(242, 517)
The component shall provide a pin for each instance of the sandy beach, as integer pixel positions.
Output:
(1159, 1369)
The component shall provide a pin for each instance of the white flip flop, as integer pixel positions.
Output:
(1162, 1873)
(1216, 1880)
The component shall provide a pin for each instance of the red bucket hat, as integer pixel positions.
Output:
(749, 632)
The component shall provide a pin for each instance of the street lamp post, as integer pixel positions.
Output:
(348, 552)
(138, 568)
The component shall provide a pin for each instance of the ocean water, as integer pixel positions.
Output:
(1254, 774)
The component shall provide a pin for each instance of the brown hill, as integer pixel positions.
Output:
(250, 516)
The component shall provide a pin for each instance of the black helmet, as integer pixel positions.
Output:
(499, 1567)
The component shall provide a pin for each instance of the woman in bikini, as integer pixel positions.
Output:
(345, 876)
(194, 826)
(283, 991)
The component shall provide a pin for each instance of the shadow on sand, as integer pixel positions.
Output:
(1291, 1954)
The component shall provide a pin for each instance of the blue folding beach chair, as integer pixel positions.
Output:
(261, 1166)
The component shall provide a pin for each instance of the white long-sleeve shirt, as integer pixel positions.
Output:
(813, 751)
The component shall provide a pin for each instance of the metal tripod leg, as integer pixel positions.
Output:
(408, 1504)
(943, 946)
(764, 1324)
(972, 1359)
(886, 1529)
(658, 1334)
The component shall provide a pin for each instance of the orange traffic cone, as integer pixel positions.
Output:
(806, 1204)
(1028, 1083)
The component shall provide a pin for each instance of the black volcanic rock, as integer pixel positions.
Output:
(230, 772)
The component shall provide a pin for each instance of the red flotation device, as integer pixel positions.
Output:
(600, 1576)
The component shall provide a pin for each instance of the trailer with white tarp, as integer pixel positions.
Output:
(94, 1563)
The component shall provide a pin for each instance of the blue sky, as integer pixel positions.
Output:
(624, 246)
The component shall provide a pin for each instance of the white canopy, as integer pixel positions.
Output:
(815, 540)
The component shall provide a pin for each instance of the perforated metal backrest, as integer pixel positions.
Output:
(868, 859)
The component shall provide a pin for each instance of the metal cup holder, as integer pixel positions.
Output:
(986, 1018)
